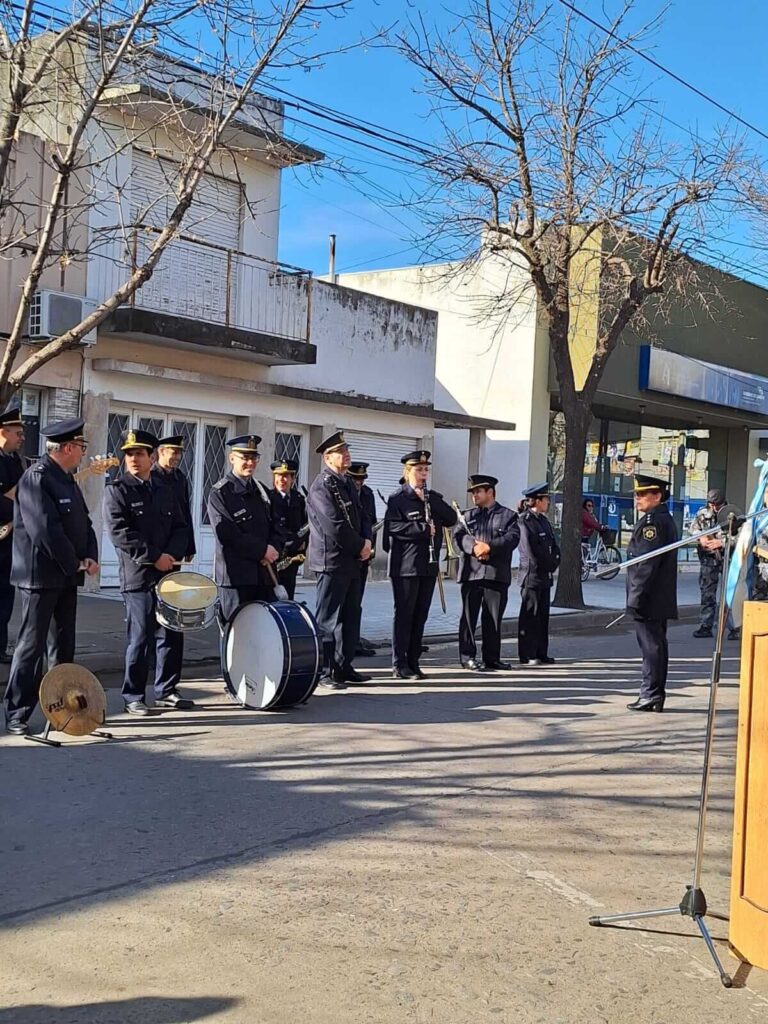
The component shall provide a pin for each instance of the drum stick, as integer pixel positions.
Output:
(614, 621)
(280, 592)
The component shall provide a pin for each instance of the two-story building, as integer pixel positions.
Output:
(223, 339)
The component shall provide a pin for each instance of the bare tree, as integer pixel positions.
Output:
(555, 161)
(184, 73)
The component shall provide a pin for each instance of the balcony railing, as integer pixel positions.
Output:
(205, 282)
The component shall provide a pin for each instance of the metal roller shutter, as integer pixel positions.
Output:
(383, 452)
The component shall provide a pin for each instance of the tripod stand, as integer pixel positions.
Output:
(693, 905)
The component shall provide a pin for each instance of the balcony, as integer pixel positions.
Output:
(206, 296)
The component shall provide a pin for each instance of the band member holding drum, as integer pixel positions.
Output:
(11, 468)
(539, 558)
(413, 535)
(53, 545)
(339, 541)
(170, 451)
(240, 512)
(358, 472)
(289, 513)
(149, 532)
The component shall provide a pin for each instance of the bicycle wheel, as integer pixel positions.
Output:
(610, 557)
(584, 570)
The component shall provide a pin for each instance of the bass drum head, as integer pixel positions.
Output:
(271, 655)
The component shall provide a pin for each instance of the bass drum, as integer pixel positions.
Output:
(271, 655)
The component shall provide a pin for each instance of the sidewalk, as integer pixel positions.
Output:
(101, 625)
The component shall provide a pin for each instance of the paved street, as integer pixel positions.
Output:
(392, 853)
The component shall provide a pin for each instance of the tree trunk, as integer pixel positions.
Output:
(577, 419)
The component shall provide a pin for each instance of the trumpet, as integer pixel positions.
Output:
(283, 563)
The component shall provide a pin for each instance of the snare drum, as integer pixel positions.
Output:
(186, 601)
(271, 655)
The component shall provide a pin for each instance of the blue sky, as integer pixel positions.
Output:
(719, 49)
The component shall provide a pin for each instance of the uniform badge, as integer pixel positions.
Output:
(649, 533)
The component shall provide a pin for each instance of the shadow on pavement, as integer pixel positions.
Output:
(142, 1010)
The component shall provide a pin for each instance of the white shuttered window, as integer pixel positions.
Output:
(383, 452)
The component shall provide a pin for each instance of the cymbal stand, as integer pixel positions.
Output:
(44, 736)
(694, 904)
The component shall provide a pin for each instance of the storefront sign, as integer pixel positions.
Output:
(674, 374)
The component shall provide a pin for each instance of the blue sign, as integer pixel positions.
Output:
(673, 374)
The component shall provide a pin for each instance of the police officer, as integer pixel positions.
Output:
(539, 558)
(710, 552)
(53, 545)
(12, 465)
(170, 451)
(485, 571)
(339, 541)
(149, 532)
(652, 588)
(358, 473)
(247, 540)
(289, 514)
(413, 535)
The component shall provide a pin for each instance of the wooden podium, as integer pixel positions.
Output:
(748, 933)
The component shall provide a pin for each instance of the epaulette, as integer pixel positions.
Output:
(219, 484)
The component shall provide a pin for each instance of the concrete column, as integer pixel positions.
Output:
(96, 413)
(316, 435)
(263, 427)
(737, 467)
(476, 450)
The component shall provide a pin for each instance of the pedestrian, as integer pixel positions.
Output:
(53, 547)
(150, 534)
(710, 552)
(358, 473)
(11, 468)
(339, 542)
(170, 452)
(590, 524)
(289, 516)
(539, 559)
(413, 536)
(652, 588)
(485, 542)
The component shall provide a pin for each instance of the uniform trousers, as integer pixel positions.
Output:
(288, 579)
(413, 597)
(652, 639)
(337, 612)
(533, 624)
(230, 598)
(145, 632)
(7, 595)
(710, 571)
(363, 578)
(39, 608)
(491, 597)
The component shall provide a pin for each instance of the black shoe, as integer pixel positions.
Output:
(647, 704)
(472, 664)
(416, 672)
(17, 728)
(401, 673)
(6, 658)
(734, 634)
(365, 652)
(546, 661)
(331, 683)
(424, 649)
(702, 632)
(173, 699)
(350, 676)
(497, 666)
(137, 707)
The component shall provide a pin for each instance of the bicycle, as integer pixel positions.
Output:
(600, 556)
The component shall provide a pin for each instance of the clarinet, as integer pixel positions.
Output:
(430, 521)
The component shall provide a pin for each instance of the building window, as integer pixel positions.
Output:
(288, 446)
(188, 432)
(215, 463)
(116, 424)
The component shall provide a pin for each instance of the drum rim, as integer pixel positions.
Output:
(286, 654)
(184, 572)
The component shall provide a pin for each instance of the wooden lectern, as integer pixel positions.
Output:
(748, 934)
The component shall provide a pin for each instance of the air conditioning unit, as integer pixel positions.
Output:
(52, 314)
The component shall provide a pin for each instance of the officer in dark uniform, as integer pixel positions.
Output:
(12, 465)
(170, 451)
(53, 545)
(289, 514)
(652, 588)
(149, 532)
(413, 536)
(358, 472)
(539, 558)
(339, 541)
(485, 571)
(240, 512)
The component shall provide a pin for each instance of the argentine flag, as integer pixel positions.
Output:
(742, 567)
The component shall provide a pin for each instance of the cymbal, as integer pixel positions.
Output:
(73, 700)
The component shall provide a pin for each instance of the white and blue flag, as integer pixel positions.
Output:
(742, 568)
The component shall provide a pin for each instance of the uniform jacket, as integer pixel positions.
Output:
(368, 509)
(289, 515)
(497, 526)
(11, 469)
(406, 533)
(241, 516)
(652, 585)
(52, 531)
(144, 520)
(539, 551)
(337, 527)
(177, 480)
